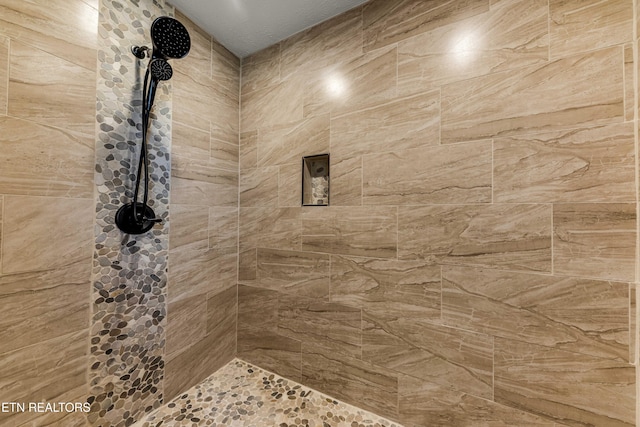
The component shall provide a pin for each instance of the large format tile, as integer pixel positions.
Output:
(199, 182)
(261, 69)
(199, 59)
(388, 22)
(402, 123)
(4, 73)
(629, 66)
(512, 35)
(223, 227)
(28, 234)
(67, 29)
(248, 150)
(514, 237)
(51, 91)
(578, 315)
(259, 187)
(595, 240)
(272, 105)
(458, 173)
(41, 160)
(568, 387)
(434, 353)
(289, 185)
(267, 227)
(272, 351)
(225, 69)
(296, 273)
(584, 25)
(579, 165)
(257, 309)
(407, 288)
(360, 231)
(186, 323)
(559, 95)
(189, 229)
(346, 181)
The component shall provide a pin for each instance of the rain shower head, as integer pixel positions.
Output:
(170, 38)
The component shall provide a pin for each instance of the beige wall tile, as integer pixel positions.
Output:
(259, 187)
(299, 273)
(271, 105)
(248, 265)
(4, 74)
(28, 233)
(257, 309)
(188, 142)
(629, 101)
(223, 228)
(595, 240)
(560, 95)
(360, 231)
(199, 182)
(288, 143)
(225, 155)
(40, 160)
(191, 99)
(248, 150)
(389, 22)
(51, 91)
(459, 173)
(353, 381)
(331, 328)
(290, 185)
(403, 288)
(274, 352)
(225, 69)
(66, 29)
(261, 69)
(514, 237)
(579, 25)
(579, 165)
(579, 315)
(270, 228)
(408, 122)
(436, 354)
(220, 307)
(568, 387)
(189, 227)
(512, 35)
(186, 324)
(225, 117)
(345, 181)
(427, 404)
(199, 59)
(633, 322)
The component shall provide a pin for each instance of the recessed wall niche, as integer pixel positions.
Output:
(315, 180)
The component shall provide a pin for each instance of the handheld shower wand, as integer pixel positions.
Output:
(170, 40)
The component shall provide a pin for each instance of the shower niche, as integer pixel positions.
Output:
(315, 180)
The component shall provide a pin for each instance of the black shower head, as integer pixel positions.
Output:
(170, 38)
(160, 69)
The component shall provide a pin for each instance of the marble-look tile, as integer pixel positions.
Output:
(288, 143)
(361, 231)
(595, 240)
(578, 315)
(512, 35)
(629, 101)
(401, 123)
(459, 173)
(31, 304)
(257, 309)
(189, 227)
(248, 265)
(28, 234)
(51, 91)
(272, 105)
(225, 117)
(225, 69)
(40, 160)
(223, 228)
(583, 25)
(435, 353)
(261, 69)
(390, 22)
(270, 228)
(330, 42)
(225, 155)
(193, 364)
(192, 99)
(279, 354)
(360, 383)
(66, 29)
(567, 387)
(352, 84)
(194, 273)
(248, 150)
(514, 237)
(346, 181)
(331, 328)
(199, 182)
(186, 324)
(51, 370)
(259, 187)
(4, 74)
(220, 307)
(559, 95)
(300, 273)
(188, 142)
(580, 165)
(427, 404)
(290, 185)
(407, 288)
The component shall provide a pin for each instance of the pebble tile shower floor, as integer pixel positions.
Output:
(240, 394)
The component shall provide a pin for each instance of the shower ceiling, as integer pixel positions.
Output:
(247, 26)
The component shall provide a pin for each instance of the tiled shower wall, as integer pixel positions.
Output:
(478, 260)
(127, 334)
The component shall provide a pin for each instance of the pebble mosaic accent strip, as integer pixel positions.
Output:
(129, 272)
(242, 395)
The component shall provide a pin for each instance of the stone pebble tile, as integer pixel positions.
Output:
(243, 395)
